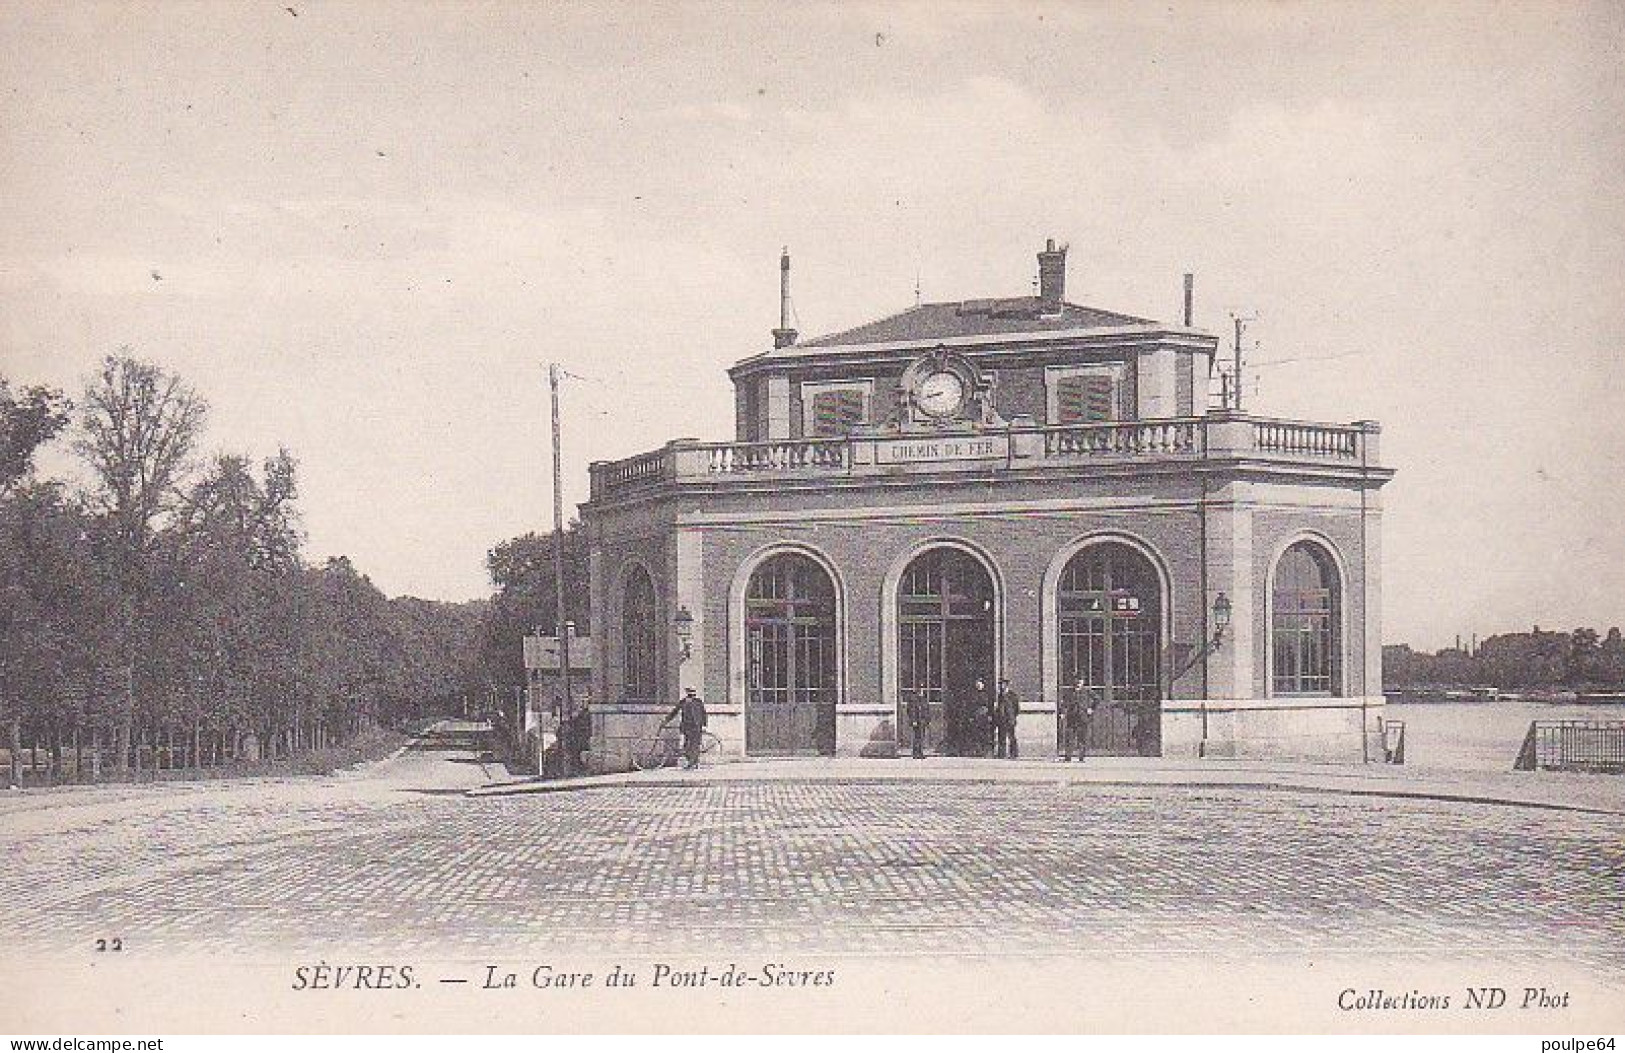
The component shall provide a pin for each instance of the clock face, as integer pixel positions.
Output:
(940, 394)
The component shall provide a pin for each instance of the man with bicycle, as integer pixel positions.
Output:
(689, 712)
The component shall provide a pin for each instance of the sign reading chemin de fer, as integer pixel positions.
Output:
(911, 451)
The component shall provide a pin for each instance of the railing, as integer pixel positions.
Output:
(1393, 742)
(1573, 745)
(633, 470)
(1012, 447)
(1178, 436)
(1314, 440)
(738, 457)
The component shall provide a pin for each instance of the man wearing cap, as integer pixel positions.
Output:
(691, 709)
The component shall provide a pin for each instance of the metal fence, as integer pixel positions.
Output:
(1573, 745)
(1393, 742)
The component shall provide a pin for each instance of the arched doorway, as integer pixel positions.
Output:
(945, 644)
(790, 661)
(1110, 618)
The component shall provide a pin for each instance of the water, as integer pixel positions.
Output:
(1479, 736)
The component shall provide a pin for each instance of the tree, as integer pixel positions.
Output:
(358, 647)
(28, 420)
(45, 634)
(139, 426)
(171, 598)
(1611, 659)
(526, 601)
(1583, 664)
(55, 615)
(436, 648)
(225, 592)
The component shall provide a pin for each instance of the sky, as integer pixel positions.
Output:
(362, 230)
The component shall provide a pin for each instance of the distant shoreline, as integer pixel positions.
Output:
(1412, 696)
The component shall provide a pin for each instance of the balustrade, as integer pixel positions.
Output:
(616, 475)
(734, 458)
(1313, 440)
(1138, 437)
(1214, 436)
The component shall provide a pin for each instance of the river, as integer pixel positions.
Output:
(1479, 736)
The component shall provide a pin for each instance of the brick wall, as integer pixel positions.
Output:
(1025, 527)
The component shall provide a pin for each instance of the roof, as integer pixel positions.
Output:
(941, 321)
(542, 652)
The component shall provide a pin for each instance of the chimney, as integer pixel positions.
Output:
(1190, 287)
(1051, 277)
(784, 336)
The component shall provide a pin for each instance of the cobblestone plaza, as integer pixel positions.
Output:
(393, 858)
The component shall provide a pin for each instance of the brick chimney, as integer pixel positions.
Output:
(1051, 277)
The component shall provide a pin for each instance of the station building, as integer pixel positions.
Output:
(1017, 489)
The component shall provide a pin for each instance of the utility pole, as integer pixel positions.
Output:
(1237, 368)
(1241, 321)
(560, 623)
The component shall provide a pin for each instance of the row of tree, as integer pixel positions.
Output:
(1537, 660)
(161, 612)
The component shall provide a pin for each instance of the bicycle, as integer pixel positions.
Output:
(666, 749)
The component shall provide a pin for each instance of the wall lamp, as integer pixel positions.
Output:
(1221, 618)
(683, 623)
(1221, 622)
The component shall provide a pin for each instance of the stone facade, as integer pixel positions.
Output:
(958, 446)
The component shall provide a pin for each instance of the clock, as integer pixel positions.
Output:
(940, 394)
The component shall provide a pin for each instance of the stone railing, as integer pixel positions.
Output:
(632, 471)
(1218, 436)
(732, 458)
(1315, 440)
(1134, 437)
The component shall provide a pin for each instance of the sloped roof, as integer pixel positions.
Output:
(940, 321)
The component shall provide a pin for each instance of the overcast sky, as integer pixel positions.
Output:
(362, 231)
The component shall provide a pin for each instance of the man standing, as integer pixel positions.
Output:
(1066, 717)
(981, 722)
(691, 711)
(919, 715)
(1077, 710)
(1006, 708)
(1091, 699)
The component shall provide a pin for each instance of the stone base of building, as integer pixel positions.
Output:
(1313, 729)
(1317, 729)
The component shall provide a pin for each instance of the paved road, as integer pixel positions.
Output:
(392, 857)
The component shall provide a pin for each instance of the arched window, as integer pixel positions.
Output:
(1304, 625)
(640, 638)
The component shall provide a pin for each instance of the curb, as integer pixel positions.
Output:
(517, 789)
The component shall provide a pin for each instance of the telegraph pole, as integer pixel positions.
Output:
(1239, 323)
(561, 625)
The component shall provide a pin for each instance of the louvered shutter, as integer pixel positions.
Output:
(837, 412)
(1084, 398)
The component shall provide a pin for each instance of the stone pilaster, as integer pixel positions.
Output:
(1230, 669)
